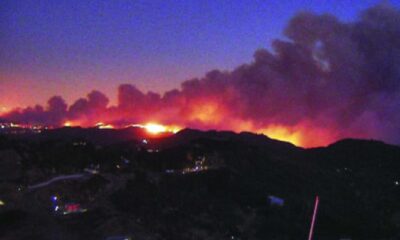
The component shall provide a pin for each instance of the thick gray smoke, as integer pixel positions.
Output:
(326, 74)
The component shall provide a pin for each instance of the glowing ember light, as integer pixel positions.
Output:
(108, 126)
(155, 128)
(68, 124)
(14, 125)
(102, 125)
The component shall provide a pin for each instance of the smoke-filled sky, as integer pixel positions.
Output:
(316, 71)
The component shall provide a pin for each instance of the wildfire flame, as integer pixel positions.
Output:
(156, 128)
(68, 124)
(74, 123)
(304, 134)
(298, 135)
(284, 134)
(102, 125)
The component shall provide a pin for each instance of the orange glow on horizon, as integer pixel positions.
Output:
(302, 135)
(102, 125)
(71, 124)
(211, 115)
(283, 133)
(67, 124)
(3, 110)
(155, 128)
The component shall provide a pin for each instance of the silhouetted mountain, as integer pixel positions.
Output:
(93, 135)
(196, 185)
(188, 135)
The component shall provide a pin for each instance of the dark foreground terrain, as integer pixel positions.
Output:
(74, 183)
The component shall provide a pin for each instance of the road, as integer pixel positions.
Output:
(56, 179)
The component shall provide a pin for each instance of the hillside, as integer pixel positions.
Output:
(195, 185)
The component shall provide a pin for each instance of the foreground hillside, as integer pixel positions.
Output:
(93, 184)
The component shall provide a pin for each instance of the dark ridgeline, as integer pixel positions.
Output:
(196, 185)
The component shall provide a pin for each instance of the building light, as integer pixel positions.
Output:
(2, 203)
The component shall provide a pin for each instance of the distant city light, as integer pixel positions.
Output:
(14, 125)
(2, 203)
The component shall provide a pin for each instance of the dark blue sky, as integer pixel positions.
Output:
(69, 47)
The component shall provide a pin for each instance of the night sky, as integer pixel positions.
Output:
(71, 47)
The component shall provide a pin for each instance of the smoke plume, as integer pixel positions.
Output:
(327, 80)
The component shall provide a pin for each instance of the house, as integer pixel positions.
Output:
(276, 201)
(73, 208)
(67, 208)
(119, 238)
(93, 169)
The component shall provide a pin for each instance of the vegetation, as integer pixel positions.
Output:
(147, 194)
